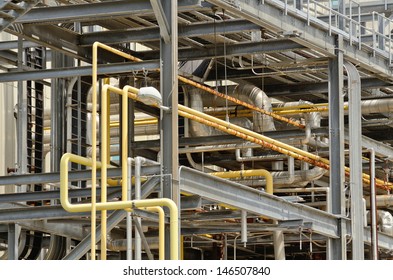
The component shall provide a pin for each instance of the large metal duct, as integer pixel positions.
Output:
(244, 92)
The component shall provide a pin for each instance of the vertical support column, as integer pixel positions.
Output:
(13, 235)
(169, 119)
(57, 115)
(22, 119)
(337, 247)
(355, 161)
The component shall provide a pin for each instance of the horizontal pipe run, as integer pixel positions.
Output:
(268, 142)
(248, 173)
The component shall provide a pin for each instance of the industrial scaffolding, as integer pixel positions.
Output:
(196, 129)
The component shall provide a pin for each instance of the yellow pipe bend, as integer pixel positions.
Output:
(117, 205)
(248, 173)
(161, 229)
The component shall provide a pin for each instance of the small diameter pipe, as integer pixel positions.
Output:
(243, 231)
(97, 45)
(138, 240)
(161, 229)
(373, 207)
(248, 173)
(117, 205)
(129, 215)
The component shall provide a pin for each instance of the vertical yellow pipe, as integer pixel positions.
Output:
(182, 247)
(161, 230)
(104, 161)
(124, 142)
(94, 151)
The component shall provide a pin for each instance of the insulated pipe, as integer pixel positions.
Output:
(248, 173)
(268, 142)
(117, 205)
(239, 102)
(243, 231)
(247, 93)
(382, 201)
(373, 106)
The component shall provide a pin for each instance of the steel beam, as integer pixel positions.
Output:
(110, 69)
(314, 35)
(162, 20)
(381, 150)
(337, 247)
(44, 178)
(127, 67)
(316, 88)
(84, 246)
(153, 33)
(9, 45)
(13, 237)
(244, 48)
(95, 11)
(255, 201)
(74, 231)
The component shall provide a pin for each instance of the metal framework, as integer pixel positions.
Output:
(288, 55)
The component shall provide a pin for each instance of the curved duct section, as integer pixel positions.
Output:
(198, 129)
(313, 119)
(254, 95)
(247, 93)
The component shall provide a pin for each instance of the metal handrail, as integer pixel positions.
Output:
(353, 28)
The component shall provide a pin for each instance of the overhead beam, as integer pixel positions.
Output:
(153, 33)
(255, 201)
(110, 69)
(161, 19)
(312, 32)
(184, 54)
(45, 178)
(268, 46)
(94, 11)
(315, 88)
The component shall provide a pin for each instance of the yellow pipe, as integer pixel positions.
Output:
(97, 45)
(117, 205)
(266, 141)
(248, 173)
(300, 106)
(137, 122)
(161, 230)
(94, 151)
(105, 153)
